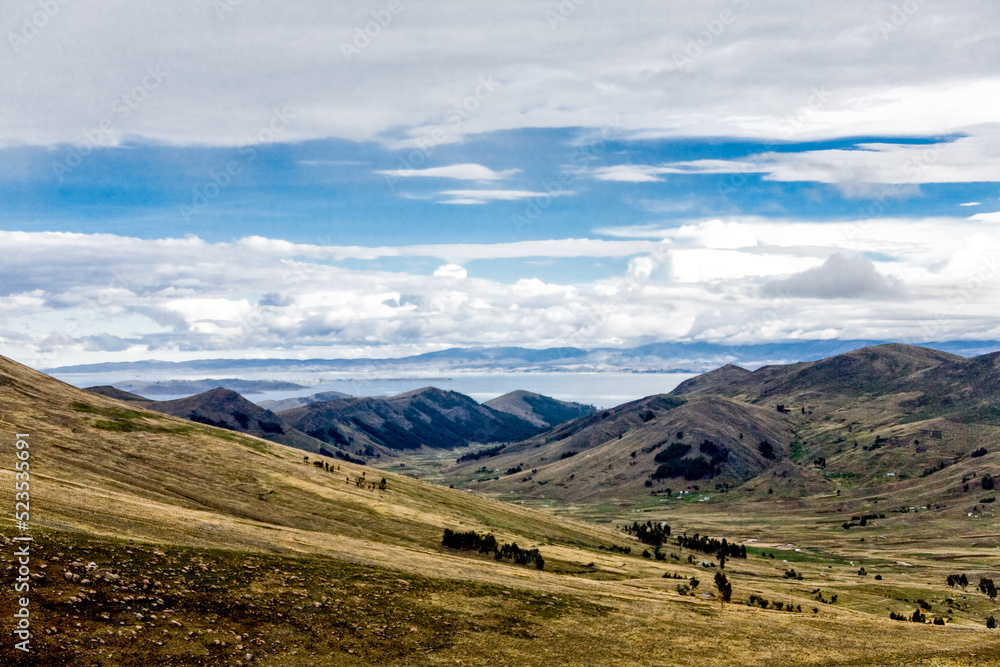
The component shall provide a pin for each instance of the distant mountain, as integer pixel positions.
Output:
(114, 392)
(541, 411)
(426, 417)
(299, 401)
(877, 416)
(227, 409)
(655, 357)
(191, 387)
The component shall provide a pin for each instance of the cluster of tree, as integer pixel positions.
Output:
(959, 580)
(987, 586)
(766, 450)
(878, 444)
(363, 483)
(764, 603)
(792, 574)
(987, 482)
(482, 453)
(342, 455)
(861, 520)
(723, 586)
(514, 471)
(930, 471)
(710, 545)
(818, 596)
(673, 464)
(487, 544)
(617, 549)
(325, 465)
(566, 455)
(650, 533)
(982, 451)
(916, 617)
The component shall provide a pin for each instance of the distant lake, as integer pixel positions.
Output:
(603, 390)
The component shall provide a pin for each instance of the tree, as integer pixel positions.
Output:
(725, 588)
(987, 482)
(991, 622)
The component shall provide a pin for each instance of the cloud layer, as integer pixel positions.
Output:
(360, 70)
(68, 297)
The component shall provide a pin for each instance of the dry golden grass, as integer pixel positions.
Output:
(234, 516)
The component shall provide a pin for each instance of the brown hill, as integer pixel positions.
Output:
(226, 409)
(426, 417)
(116, 393)
(542, 411)
(638, 448)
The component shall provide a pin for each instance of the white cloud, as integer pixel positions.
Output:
(839, 277)
(969, 158)
(484, 196)
(71, 298)
(462, 172)
(631, 173)
(451, 271)
(758, 76)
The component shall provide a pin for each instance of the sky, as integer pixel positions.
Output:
(239, 178)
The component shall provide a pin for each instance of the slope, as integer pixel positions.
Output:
(643, 447)
(299, 401)
(542, 411)
(226, 409)
(426, 417)
(214, 547)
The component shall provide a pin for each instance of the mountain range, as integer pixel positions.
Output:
(889, 416)
(348, 428)
(160, 540)
(655, 357)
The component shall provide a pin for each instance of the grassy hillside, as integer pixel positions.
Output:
(428, 417)
(541, 411)
(170, 542)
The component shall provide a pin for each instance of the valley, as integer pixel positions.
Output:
(219, 547)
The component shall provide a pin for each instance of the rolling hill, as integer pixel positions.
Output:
(158, 540)
(878, 416)
(426, 417)
(299, 401)
(542, 411)
(226, 409)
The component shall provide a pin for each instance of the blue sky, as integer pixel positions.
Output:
(238, 179)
